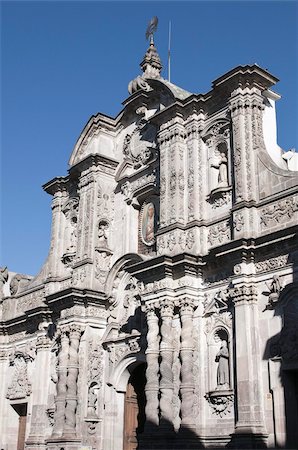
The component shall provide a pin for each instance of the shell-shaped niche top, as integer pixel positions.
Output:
(151, 67)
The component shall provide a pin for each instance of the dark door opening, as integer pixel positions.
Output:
(21, 409)
(290, 379)
(134, 408)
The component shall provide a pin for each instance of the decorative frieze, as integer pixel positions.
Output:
(272, 263)
(30, 301)
(278, 213)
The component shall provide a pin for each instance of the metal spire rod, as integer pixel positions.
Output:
(169, 53)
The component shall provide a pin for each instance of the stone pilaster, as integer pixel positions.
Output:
(250, 410)
(152, 377)
(238, 127)
(166, 372)
(59, 416)
(40, 389)
(71, 382)
(56, 249)
(186, 354)
(85, 228)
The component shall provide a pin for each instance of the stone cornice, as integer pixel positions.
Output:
(249, 73)
(57, 184)
(103, 162)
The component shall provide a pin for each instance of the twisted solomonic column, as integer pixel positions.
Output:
(166, 372)
(59, 415)
(152, 354)
(71, 382)
(186, 355)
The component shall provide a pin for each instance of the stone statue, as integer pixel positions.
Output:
(3, 279)
(275, 289)
(102, 236)
(222, 166)
(222, 358)
(92, 400)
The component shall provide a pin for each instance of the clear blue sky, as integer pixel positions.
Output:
(64, 61)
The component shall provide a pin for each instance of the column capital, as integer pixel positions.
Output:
(150, 310)
(186, 306)
(166, 308)
(244, 293)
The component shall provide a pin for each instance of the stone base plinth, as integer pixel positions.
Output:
(162, 440)
(66, 444)
(242, 439)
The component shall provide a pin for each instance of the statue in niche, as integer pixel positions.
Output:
(73, 235)
(102, 234)
(222, 166)
(222, 358)
(92, 400)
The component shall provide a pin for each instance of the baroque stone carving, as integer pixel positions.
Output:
(220, 198)
(92, 408)
(238, 221)
(275, 288)
(3, 279)
(118, 351)
(30, 301)
(70, 209)
(220, 402)
(20, 385)
(139, 146)
(219, 233)
(216, 320)
(95, 363)
(186, 240)
(271, 263)
(218, 303)
(280, 212)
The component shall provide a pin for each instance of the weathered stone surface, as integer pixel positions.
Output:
(173, 245)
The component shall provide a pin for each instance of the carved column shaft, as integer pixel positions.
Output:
(61, 385)
(71, 383)
(152, 354)
(186, 354)
(166, 372)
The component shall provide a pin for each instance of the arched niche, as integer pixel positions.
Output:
(217, 338)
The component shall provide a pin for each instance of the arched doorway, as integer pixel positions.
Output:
(134, 408)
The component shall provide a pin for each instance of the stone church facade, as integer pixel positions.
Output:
(166, 313)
